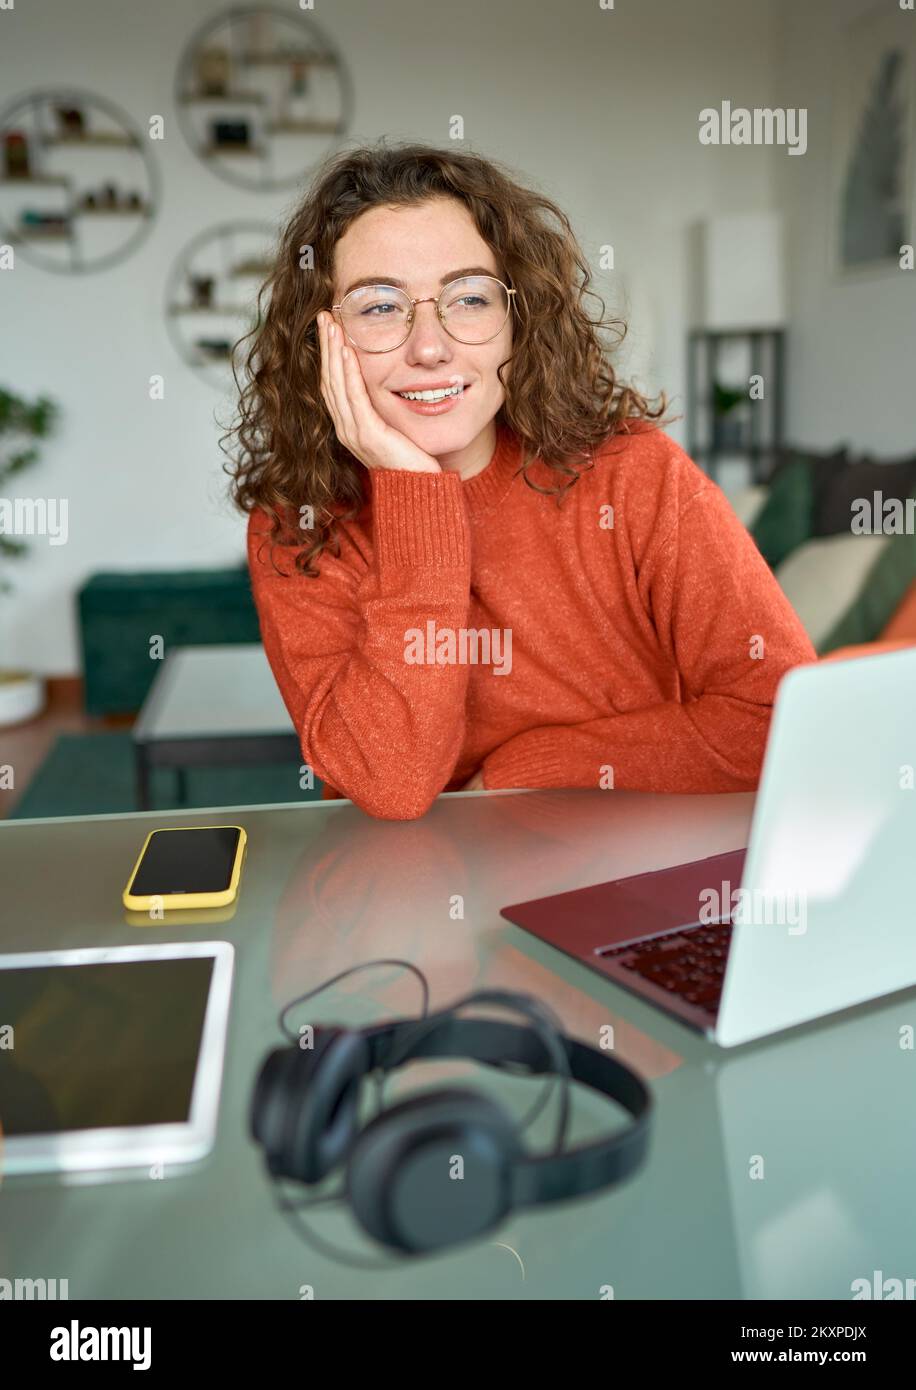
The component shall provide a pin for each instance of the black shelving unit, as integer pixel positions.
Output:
(755, 430)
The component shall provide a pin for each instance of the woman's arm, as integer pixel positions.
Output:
(724, 622)
(383, 731)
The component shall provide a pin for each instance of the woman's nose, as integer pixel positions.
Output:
(427, 331)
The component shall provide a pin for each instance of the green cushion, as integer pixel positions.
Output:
(880, 597)
(784, 521)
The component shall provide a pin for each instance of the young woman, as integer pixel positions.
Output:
(477, 559)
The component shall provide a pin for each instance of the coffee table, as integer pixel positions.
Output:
(211, 706)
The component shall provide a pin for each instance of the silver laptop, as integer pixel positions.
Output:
(819, 913)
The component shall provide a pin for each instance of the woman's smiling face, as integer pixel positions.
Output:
(422, 248)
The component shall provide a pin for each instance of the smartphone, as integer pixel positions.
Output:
(197, 866)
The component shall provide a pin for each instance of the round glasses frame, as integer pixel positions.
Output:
(431, 299)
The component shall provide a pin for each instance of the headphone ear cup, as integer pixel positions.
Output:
(433, 1171)
(305, 1108)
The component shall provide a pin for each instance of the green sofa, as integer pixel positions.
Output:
(121, 614)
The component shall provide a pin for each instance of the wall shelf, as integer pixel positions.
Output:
(98, 139)
(297, 60)
(207, 268)
(223, 98)
(272, 77)
(221, 151)
(40, 158)
(49, 180)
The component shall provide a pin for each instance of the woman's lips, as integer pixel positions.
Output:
(433, 407)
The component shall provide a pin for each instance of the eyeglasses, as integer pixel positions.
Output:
(378, 318)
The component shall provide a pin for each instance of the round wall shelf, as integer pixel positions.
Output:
(261, 96)
(211, 295)
(78, 183)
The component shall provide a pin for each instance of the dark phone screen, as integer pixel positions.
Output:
(187, 861)
(112, 1043)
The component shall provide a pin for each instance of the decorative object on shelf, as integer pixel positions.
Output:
(261, 93)
(23, 422)
(874, 143)
(34, 223)
(230, 133)
(89, 177)
(72, 121)
(211, 295)
(729, 426)
(202, 291)
(739, 423)
(213, 68)
(16, 155)
(108, 199)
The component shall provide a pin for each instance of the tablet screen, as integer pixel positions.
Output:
(90, 1046)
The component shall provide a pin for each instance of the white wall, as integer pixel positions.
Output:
(852, 343)
(597, 107)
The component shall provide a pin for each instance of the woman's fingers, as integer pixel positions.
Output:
(327, 388)
(325, 380)
(361, 408)
(339, 384)
(357, 413)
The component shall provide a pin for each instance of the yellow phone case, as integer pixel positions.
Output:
(170, 901)
(184, 917)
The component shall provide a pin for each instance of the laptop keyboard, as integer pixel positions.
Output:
(690, 962)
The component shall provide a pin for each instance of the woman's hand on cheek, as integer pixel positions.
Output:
(358, 424)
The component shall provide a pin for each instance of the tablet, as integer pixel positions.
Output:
(112, 1057)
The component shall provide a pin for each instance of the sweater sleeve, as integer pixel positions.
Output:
(725, 625)
(384, 730)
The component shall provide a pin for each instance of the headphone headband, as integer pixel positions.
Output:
(403, 1181)
(535, 1178)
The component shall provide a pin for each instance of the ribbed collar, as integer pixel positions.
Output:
(490, 486)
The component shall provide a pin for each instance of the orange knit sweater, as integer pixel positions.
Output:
(631, 637)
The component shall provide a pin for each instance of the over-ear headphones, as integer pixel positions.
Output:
(447, 1166)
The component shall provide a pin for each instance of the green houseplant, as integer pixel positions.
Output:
(22, 424)
(726, 401)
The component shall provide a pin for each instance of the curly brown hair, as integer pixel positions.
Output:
(563, 398)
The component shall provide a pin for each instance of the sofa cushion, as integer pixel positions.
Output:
(822, 463)
(784, 521)
(749, 503)
(902, 626)
(823, 579)
(880, 596)
(833, 509)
